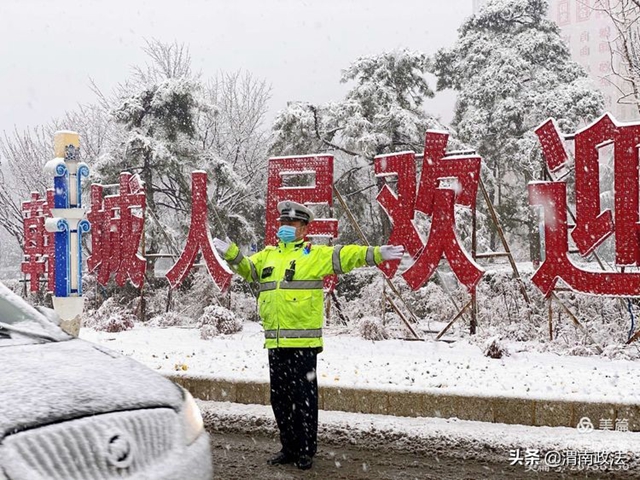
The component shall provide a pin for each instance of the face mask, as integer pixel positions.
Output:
(287, 233)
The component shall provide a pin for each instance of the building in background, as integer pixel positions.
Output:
(587, 32)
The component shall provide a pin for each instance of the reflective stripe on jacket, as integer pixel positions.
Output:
(291, 303)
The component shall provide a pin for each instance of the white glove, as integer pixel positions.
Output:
(391, 252)
(221, 246)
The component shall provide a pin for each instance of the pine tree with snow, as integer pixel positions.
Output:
(382, 113)
(156, 109)
(172, 123)
(512, 71)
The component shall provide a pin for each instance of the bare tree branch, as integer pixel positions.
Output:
(331, 144)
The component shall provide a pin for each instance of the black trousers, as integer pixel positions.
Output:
(294, 398)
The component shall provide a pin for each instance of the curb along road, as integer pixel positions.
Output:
(520, 411)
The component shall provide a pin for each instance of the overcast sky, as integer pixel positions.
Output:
(49, 49)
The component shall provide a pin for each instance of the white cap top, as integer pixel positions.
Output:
(290, 210)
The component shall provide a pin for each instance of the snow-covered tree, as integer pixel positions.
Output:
(382, 113)
(625, 47)
(23, 157)
(512, 71)
(172, 123)
(24, 153)
(157, 110)
(231, 132)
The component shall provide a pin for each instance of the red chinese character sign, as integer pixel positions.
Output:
(430, 198)
(117, 227)
(400, 207)
(321, 192)
(39, 246)
(439, 203)
(593, 225)
(321, 167)
(199, 240)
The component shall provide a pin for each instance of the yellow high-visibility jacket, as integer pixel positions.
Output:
(288, 278)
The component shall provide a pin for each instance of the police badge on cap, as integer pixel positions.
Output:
(290, 210)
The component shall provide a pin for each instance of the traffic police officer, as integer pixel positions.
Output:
(289, 279)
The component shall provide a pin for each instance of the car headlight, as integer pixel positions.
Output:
(192, 419)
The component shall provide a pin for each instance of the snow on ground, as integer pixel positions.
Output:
(347, 361)
(494, 442)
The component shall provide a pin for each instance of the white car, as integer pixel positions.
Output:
(72, 410)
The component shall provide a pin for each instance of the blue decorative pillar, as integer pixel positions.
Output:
(68, 224)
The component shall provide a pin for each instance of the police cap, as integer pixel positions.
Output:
(290, 210)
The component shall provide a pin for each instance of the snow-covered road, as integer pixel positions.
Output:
(353, 445)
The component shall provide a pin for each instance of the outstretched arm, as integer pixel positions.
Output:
(346, 258)
(243, 266)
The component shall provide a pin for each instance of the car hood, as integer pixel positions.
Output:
(57, 381)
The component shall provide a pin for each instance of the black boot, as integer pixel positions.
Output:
(305, 462)
(281, 458)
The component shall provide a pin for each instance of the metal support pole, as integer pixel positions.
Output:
(550, 306)
(577, 322)
(404, 319)
(169, 297)
(635, 337)
(473, 326)
(444, 330)
(141, 305)
(505, 245)
(366, 242)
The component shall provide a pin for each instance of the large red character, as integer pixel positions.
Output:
(400, 207)
(321, 166)
(117, 225)
(39, 247)
(434, 201)
(593, 225)
(199, 240)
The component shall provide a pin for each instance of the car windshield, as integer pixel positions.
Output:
(20, 323)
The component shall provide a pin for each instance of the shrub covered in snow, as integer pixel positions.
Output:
(195, 294)
(218, 320)
(110, 317)
(170, 319)
(207, 332)
(495, 349)
(372, 328)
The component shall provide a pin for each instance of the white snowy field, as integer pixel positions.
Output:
(348, 361)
